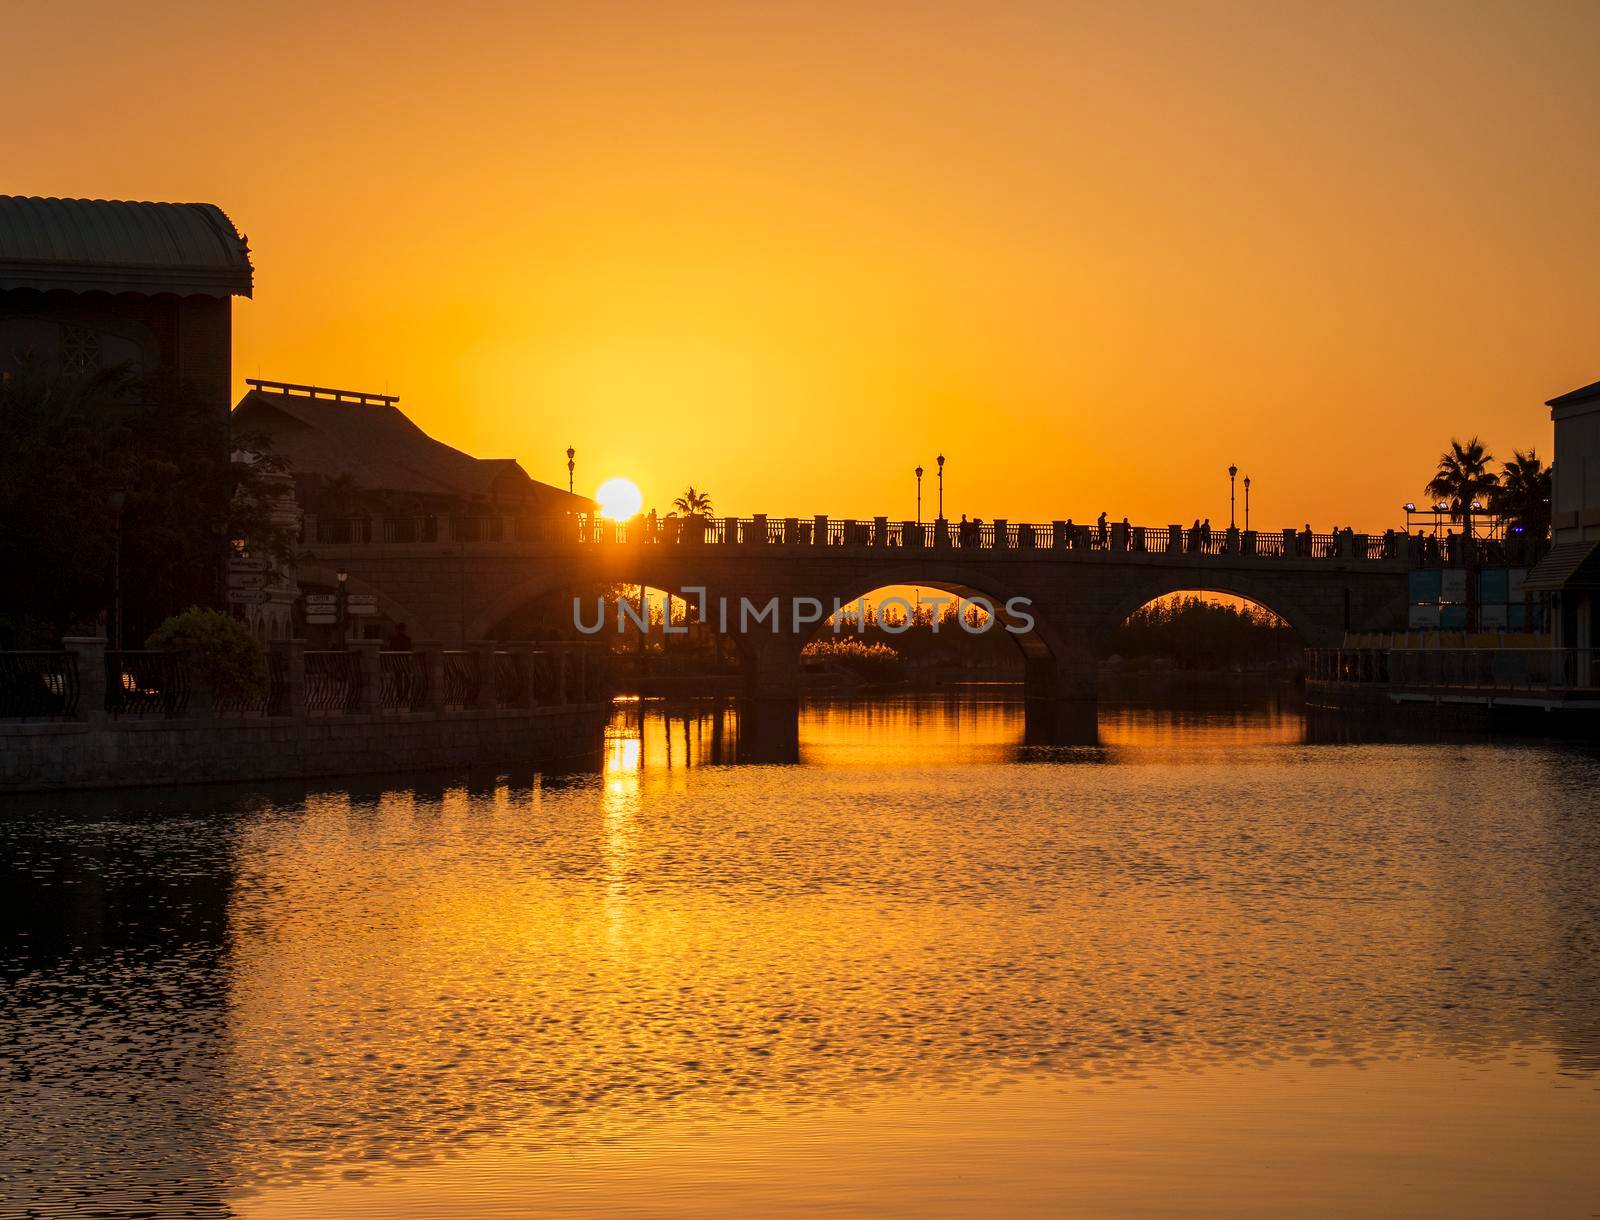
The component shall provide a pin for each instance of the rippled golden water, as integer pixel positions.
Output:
(1201, 969)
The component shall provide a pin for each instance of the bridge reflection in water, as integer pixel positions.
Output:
(1199, 966)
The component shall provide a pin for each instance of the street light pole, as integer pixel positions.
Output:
(919, 494)
(571, 452)
(343, 577)
(1247, 504)
(1233, 473)
(940, 461)
(116, 500)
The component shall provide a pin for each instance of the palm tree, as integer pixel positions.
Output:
(1463, 477)
(1523, 496)
(693, 503)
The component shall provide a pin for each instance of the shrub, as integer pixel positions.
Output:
(224, 657)
(874, 662)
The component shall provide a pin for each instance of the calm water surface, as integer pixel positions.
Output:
(1203, 969)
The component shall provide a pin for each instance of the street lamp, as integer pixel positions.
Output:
(571, 452)
(940, 461)
(918, 473)
(1439, 507)
(115, 501)
(1410, 508)
(1233, 473)
(1247, 504)
(343, 576)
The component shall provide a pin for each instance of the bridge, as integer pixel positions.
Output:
(460, 578)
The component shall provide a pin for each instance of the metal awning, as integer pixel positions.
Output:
(1571, 565)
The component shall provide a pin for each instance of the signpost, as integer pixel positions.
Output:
(361, 603)
(322, 609)
(247, 597)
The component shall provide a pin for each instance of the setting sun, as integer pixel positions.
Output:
(619, 499)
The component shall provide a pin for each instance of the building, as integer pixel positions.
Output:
(355, 457)
(1570, 573)
(89, 284)
(350, 451)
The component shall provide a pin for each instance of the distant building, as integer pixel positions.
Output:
(88, 284)
(1570, 573)
(349, 450)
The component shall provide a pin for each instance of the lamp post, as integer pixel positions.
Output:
(343, 577)
(114, 502)
(1247, 504)
(571, 452)
(1233, 474)
(918, 473)
(1438, 508)
(940, 462)
(1410, 507)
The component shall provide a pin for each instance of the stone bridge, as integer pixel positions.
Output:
(460, 578)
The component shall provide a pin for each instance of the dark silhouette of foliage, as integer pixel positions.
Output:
(66, 447)
(222, 653)
(1523, 495)
(1463, 476)
(1194, 633)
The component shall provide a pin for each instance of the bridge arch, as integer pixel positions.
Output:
(1318, 625)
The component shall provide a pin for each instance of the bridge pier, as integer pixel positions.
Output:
(1060, 703)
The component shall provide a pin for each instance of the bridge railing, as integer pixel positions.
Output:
(878, 533)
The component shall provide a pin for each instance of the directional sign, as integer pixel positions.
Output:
(321, 599)
(241, 564)
(361, 603)
(247, 580)
(247, 597)
(322, 618)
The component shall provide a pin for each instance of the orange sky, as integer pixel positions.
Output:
(787, 251)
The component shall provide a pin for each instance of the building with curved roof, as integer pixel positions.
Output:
(90, 284)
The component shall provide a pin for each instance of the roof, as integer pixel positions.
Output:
(108, 245)
(1569, 565)
(377, 444)
(1587, 393)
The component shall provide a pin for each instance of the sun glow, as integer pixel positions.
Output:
(619, 499)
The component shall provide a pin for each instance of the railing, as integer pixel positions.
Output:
(884, 535)
(333, 683)
(510, 680)
(1509, 669)
(461, 680)
(38, 685)
(272, 701)
(402, 682)
(146, 683)
(47, 685)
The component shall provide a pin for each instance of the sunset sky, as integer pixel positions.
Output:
(788, 251)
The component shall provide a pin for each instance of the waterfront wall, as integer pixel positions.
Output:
(106, 719)
(136, 752)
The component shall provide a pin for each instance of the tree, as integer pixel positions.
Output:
(1523, 496)
(1462, 478)
(693, 503)
(85, 461)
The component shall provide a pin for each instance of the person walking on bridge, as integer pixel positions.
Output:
(1101, 526)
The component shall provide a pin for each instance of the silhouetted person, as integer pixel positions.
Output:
(1305, 541)
(399, 641)
(1205, 535)
(964, 531)
(1101, 527)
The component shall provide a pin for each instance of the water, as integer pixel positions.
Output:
(1202, 969)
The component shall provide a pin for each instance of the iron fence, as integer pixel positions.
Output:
(146, 683)
(333, 683)
(38, 685)
(402, 682)
(461, 680)
(510, 680)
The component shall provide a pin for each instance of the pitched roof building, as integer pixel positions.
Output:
(326, 434)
